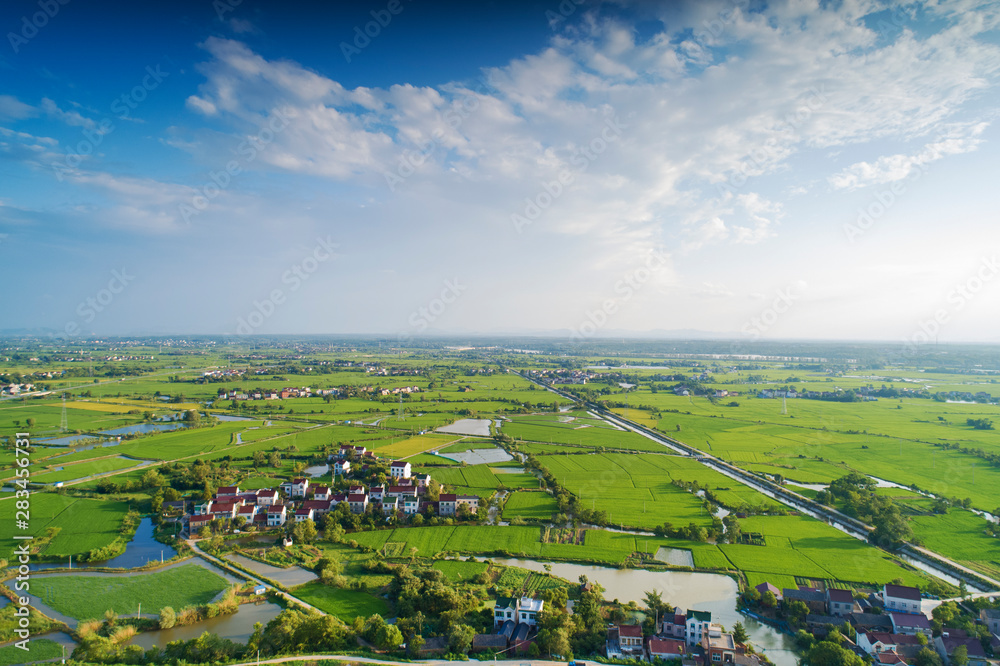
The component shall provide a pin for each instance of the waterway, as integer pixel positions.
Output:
(236, 627)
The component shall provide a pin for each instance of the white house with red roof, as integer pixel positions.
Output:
(304, 513)
(297, 487)
(228, 490)
(400, 469)
(276, 515)
(267, 497)
(342, 467)
(358, 502)
(321, 493)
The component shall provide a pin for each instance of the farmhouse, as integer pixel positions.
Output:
(296, 487)
(342, 467)
(813, 599)
(898, 598)
(276, 514)
(319, 507)
(303, 514)
(225, 491)
(400, 469)
(840, 602)
(910, 624)
(991, 618)
(629, 638)
(719, 647)
(321, 493)
(696, 624)
(946, 644)
(267, 497)
(665, 648)
(358, 502)
(390, 505)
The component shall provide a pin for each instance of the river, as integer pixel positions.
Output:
(687, 590)
(237, 627)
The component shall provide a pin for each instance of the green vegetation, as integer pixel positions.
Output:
(345, 604)
(39, 649)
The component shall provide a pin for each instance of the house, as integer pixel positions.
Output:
(767, 587)
(259, 590)
(354, 490)
(226, 491)
(321, 493)
(319, 507)
(446, 504)
(695, 624)
(376, 493)
(719, 647)
(247, 511)
(223, 510)
(400, 469)
(342, 467)
(817, 624)
(630, 638)
(410, 505)
(674, 626)
(505, 609)
(839, 602)
(276, 514)
(519, 641)
(390, 505)
(297, 487)
(267, 497)
(813, 599)
(423, 480)
(358, 502)
(991, 618)
(665, 648)
(337, 499)
(203, 509)
(347, 450)
(910, 624)
(873, 642)
(195, 523)
(901, 599)
(402, 492)
(470, 502)
(946, 644)
(528, 610)
(863, 622)
(303, 514)
(434, 645)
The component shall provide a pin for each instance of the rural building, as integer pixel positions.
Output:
(840, 602)
(226, 491)
(276, 514)
(195, 523)
(901, 599)
(390, 505)
(813, 599)
(400, 469)
(674, 626)
(504, 609)
(376, 493)
(248, 511)
(267, 497)
(319, 507)
(947, 643)
(767, 587)
(321, 493)
(870, 622)
(696, 623)
(630, 637)
(296, 487)
(483, 642)
(423, 480)
(303, 514)
(719, 647)
(910, 624)
(342, 467)
(528, 611)
(991, 618)
(358, 502)
(665, 648)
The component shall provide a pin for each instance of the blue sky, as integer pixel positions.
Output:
(782, 170)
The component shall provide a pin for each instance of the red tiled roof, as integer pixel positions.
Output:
(666, 646)
(357, 497)
(902, 592)
(447, 497)
(630, 630)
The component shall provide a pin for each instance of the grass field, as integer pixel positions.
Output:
(84, 469)
(345, 604)
(414, 445)
(85, 597)
(960, 535)
(39, 649)
(533, 505)
(459, 571)
(81, 525)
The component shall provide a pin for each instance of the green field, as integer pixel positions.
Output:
(460, 571)
(530, 505)
(39, 649)
(345, 604)
(79, 525)
(85, 597)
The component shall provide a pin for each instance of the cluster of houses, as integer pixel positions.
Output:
(686, 636)
(298, 499)
(15, 389)
(886, 624)
(279, 394)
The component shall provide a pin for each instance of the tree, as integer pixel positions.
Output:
(826, 653)
(460, 638)
(388, 637)
(960, 657)
(167, 617)
(740, 633)
(928, 657)
(193, 417)
(414, 645)
(304, 531)
(768, 600)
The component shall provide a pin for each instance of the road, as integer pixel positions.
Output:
(851, 526)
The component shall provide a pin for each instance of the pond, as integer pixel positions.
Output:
(477, 427)
(142, 549)
(236, 627)
(229, 417)
(688, 590)
(316, 470)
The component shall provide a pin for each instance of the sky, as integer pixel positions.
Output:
(779, 170)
